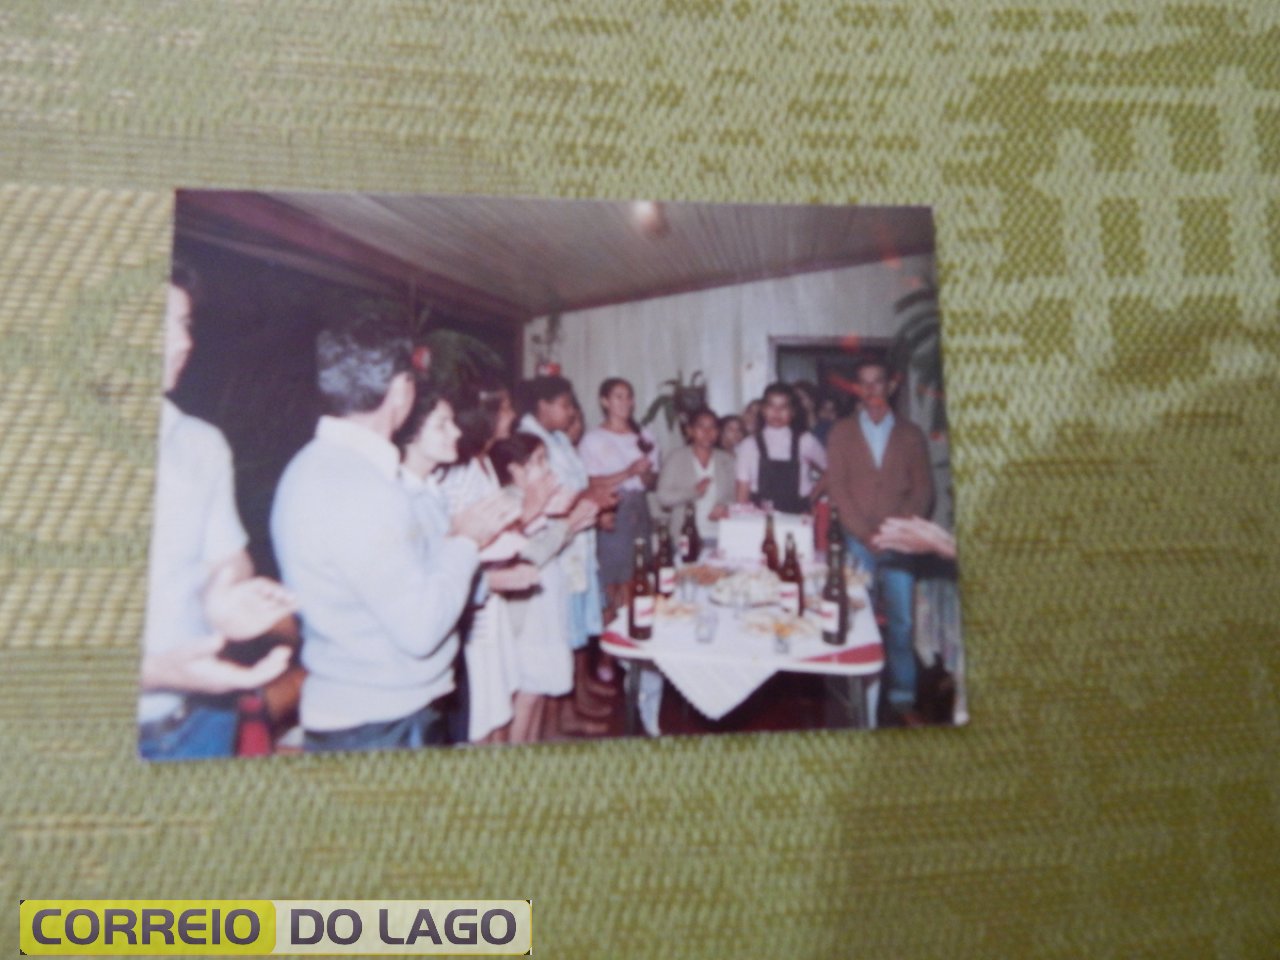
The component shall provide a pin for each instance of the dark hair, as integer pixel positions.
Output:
(476, 406)
(606, 388)
(427, 396)
(729, 417)
(529, 393)
(701, 412)
(516, 449)
(868, 360)
(833, 398)
(183, 276)
(799, 419)
(358, 357)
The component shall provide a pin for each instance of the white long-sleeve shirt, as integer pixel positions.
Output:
(379, 596)
(196, 528)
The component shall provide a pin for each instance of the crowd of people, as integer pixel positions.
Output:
(452, 556)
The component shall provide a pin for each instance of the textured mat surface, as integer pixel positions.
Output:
(1106, 178)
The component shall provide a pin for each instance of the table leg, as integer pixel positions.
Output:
(846, 702)
(858, 702)
(631, 697)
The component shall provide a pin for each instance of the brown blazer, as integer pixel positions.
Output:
(865, 496)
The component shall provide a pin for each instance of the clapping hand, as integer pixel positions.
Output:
(603, 494)
(244, 609)
(583, 515)
(561, 501)
(538, 497)
(485, 519)
(197, 668)
(514, 579)
(914, 535)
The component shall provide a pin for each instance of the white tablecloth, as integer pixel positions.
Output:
(717, 676)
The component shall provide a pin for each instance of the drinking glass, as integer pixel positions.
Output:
(781, 645)
(706, 627)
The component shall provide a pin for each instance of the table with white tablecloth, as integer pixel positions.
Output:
(717, 675)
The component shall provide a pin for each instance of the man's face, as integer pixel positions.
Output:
(777, 410)
(177, 335)
(873, 390)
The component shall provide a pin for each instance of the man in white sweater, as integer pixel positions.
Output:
(202, 593)
(378, 598)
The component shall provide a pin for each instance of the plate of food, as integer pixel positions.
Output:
(813, 601)
(752, 588)
(669, 608)
(788, 626)
(703, 574)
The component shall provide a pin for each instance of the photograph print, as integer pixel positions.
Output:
(441, 470)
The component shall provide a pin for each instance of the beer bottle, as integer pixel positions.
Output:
(690, 539)
(770, 546)
(835, 532)
(664, 564)
(641, 602)
(791, 587)
(835, 598)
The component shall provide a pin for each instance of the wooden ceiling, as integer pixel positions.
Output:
(521, 257)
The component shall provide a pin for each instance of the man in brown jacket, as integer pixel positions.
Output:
(878, 467)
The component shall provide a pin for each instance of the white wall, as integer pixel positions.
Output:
(724, 332)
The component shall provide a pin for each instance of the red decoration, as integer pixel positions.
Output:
(421, 359)
(254, 736)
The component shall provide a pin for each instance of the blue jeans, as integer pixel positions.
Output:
(428, 726)
(206, 731)
(893, 578)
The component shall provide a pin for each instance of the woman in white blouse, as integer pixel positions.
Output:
(548, 405)
(484, 415)
(429, 441)
(781, 463)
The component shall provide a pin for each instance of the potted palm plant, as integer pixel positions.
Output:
(677, 400)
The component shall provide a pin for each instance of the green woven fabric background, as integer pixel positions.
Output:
(1106, 179)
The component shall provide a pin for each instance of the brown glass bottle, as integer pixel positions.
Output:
(690, 539)
(835, 531)
(640, 604)
(791, 585)
(834, 610)
(664, 564)
(770, 546)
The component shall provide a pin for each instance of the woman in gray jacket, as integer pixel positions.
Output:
(701, 474)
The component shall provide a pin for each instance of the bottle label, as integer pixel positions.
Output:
(684, 546)
(666, 581)
(830, 616)
(789, 597)
(642, 613)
